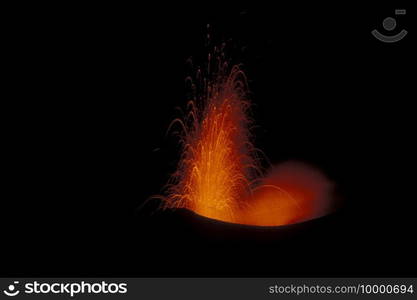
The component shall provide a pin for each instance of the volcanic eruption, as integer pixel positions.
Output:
(219, 174)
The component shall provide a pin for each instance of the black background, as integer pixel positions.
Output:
(99, 90)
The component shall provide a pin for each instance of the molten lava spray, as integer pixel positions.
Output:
(215, 170)
(219, 174)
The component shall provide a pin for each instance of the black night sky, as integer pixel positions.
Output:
(107, 81)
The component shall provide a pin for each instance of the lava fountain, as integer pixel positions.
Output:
(219, 174)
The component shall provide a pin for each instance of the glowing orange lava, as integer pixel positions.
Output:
(215, 170)
(218, 175)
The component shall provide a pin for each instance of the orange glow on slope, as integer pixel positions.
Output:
(218, 175)
(291, 192)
